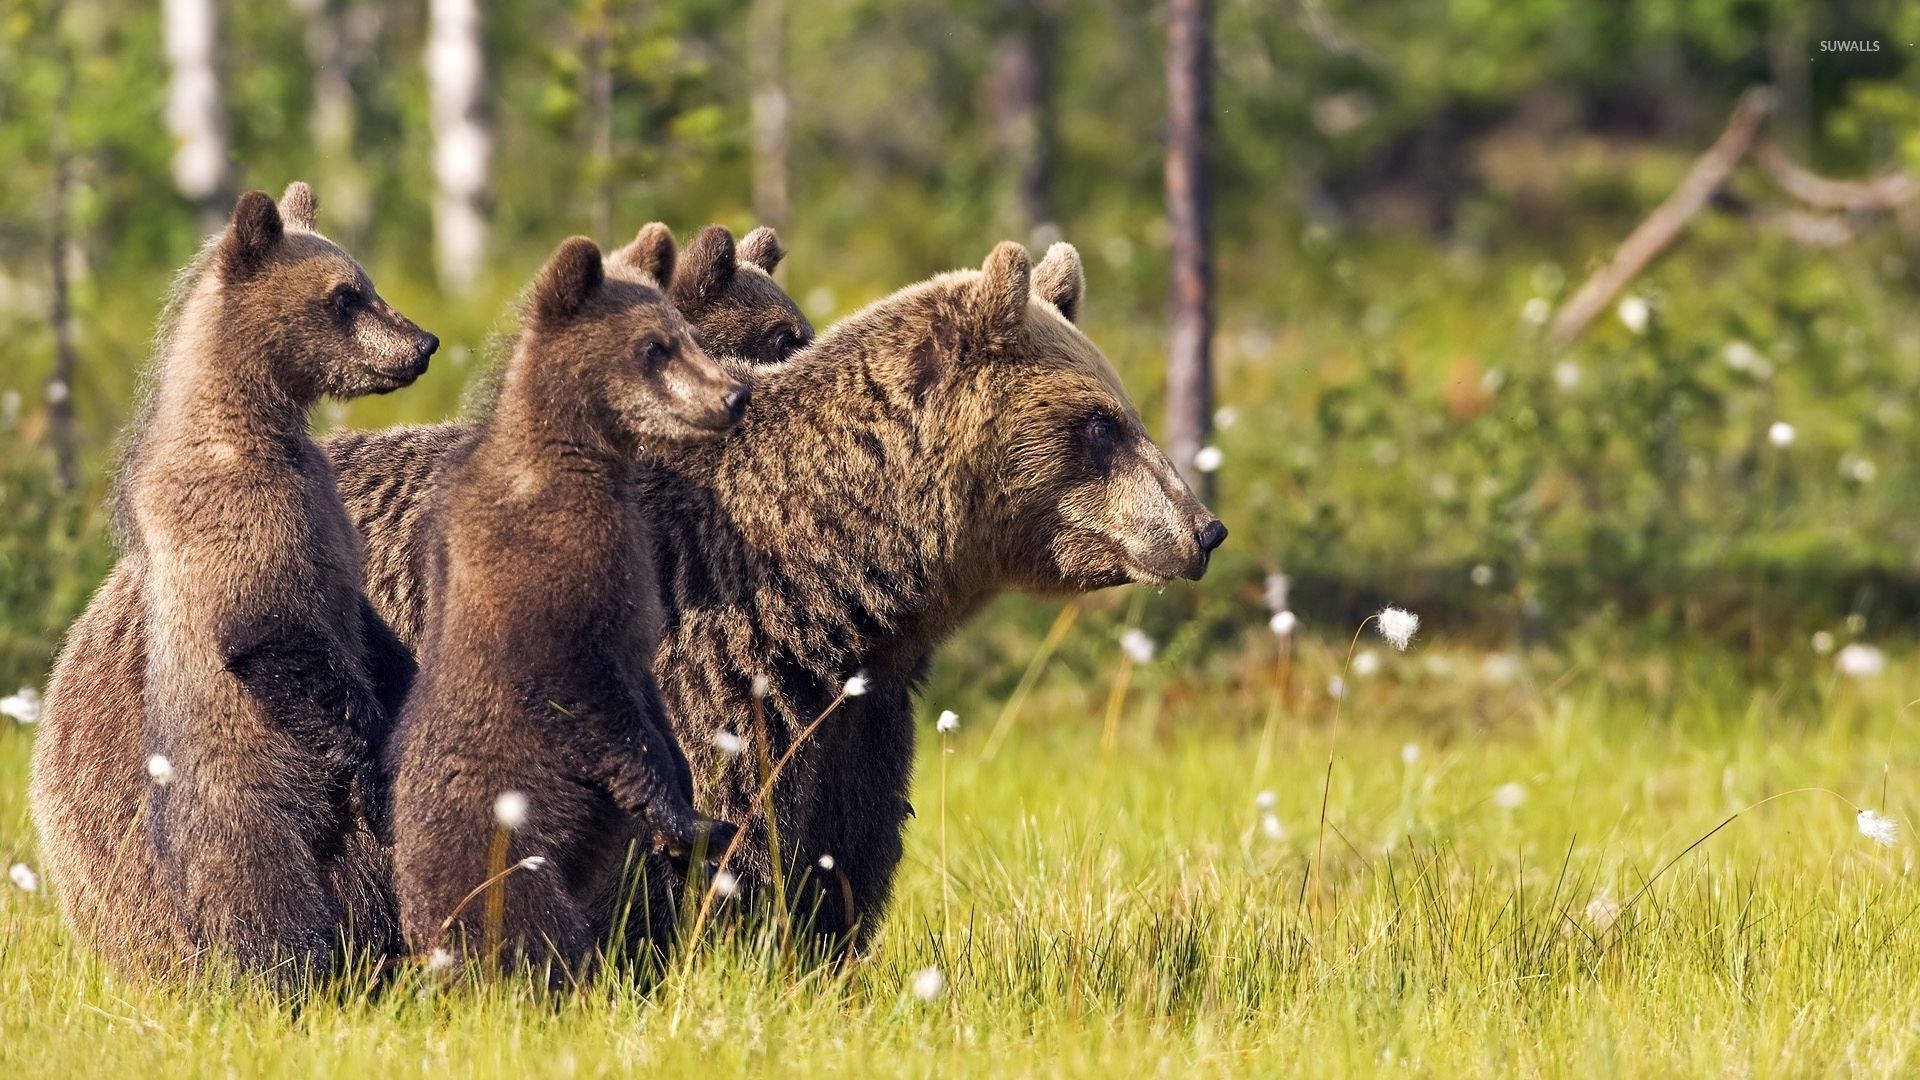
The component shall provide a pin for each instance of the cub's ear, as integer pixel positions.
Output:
(706, 271)
(762, 248)
(1000, 298)
(251, 236)
(298, 205)
(1060, 281)
(651, 254)
(570, 277)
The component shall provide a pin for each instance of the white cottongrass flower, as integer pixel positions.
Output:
(1208, 458)
(1283, 623)
(1137, 645)
(1409, 753)
(160, 769)
(1741, 356)
(1603, 911)
(1510, 795)
(1225, 417)
(1823, 642)
(1336, 688)
(725, 884)
(948, 723)
(1265, 800)
(23, 705)
(1278, 588)
(510, 809)
(826, 862)
(441, 961)
(762, 686)
(1481, 575)
(1536, 311)
(1500, 668)
(534, 862)
(1566, 375)
(1858, 469)
(1272, 827)
(1398, 626)
(1879, 828)
(1781, 434)
(1366, 664)
(929, 983)
(24, 877)
(857, 685)
(728, 744)
(1635, 312)
(1859, 661)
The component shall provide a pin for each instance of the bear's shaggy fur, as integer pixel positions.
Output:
(233, 641)
(544, 610)
(387, 476)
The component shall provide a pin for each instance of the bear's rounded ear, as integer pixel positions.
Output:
(570, 277)
(762, 248)
(251, 236)
(705, 271)
(1000, 299)
(1060, 281)
(652, 254)
(298, 206)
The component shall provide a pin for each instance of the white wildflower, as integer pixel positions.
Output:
(1566, 375)
(1635, 312)
(1603, 912)
(826, 862)
(534, 862)
(1266, 800)
(510, 809)
(24, 877)
(1398, 626)
(948, 723)
(160, 769)
(1366, 663)
(1283, 623)
(857, 685)
(1781, 434)
(1858, 661)
(1336, 688)
(1409, 753)
(1536, 311)
(1225, 417)
(1481, 575)
(929, 983)
(1272, 827)
(1137, 645)
(1823, 642)
(1277, 591)
(1510, 795)
(23, 705)
(728, 744)
(1208, 458)
(1879, 828)
(725, 884)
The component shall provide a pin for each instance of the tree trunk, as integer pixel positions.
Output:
(1019, 99)
(1189, 362)
(196, 108)
(599, 71)
(462, 144)
(331, 119)
(60, 426)
(766, 61)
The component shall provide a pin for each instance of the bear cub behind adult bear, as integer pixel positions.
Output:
(261, 652)
(535, 711)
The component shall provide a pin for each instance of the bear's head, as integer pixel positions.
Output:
(726, 293)
(293, 297)
(1074, 494)
(616, 345)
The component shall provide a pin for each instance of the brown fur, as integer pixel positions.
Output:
(733, 299)
(233, 638)
(534, 666)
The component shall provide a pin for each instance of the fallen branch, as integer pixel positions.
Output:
(1879, 195)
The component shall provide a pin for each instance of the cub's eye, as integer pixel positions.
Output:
(1100, 432)
(655, 352)
(786, 343)
(345, 299)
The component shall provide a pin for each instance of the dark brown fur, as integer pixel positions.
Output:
(233, 638)
(534, 672)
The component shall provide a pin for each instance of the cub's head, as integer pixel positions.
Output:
(621, 348)
(726, 293)
(1075, 493)
(310, 307)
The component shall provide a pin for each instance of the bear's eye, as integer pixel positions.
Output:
(654, 352)
(1100, 434)
(344, 300)
(786, 342)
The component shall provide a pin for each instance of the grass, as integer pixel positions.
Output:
(1124, 912)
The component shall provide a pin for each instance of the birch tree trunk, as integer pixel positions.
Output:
(462, 144)
(60, 425)
(766, 61)
(598, 64)
(333, 117)
(1019, 101)
(196, 107)
(1189, 359)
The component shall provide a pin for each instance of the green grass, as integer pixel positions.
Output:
(1125, 913)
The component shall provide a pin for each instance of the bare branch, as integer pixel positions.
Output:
(1881, 194)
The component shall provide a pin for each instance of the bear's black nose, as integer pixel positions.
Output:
(1212, 536)
(737, 400)
(429, 344)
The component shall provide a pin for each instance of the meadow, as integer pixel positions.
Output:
(1121, 883)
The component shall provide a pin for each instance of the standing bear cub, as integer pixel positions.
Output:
(534, 704)
(260, 663)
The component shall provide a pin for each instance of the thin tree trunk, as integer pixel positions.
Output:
(462, 143)
(196, 107)
(599, 70)
(332, 118)
(1019, 100)
(60, 425)
(766, 60)
(1189, 361)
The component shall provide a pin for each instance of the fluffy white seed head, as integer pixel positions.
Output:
(22, 705)
(1860, 661)
(160, 769)
(1510, 795)
(1366, 663)
(826, 862)
(1283, 623)
(1481, 575)
(1336, 688)
(1409, 753)
(1635, 313)
(534, 862)
(725, 884)
(948, 723)
(441, 961)
(762, 686)
(728, 744)
(1137, 645)
(1208, 458)
(1266, 800)
(1272, 827)
(23, 877)
(1879, 828)
(510, 809)
(1566, 375)
(857, 685)
(1398, 626)
(1225, 417)
(1823, 642)
(1536, 311)
(929, 983)
(1781, 434)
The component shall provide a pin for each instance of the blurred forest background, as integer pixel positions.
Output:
(1404, 198)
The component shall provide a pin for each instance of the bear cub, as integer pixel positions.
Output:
(267, 675)
(535, 726)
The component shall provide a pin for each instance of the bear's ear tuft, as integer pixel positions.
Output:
(251, 236)
(1060, 281)
(705, 271)
(298, 206)
(1000, 299)
(762, 248)
(570, 277)
(652, 253)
